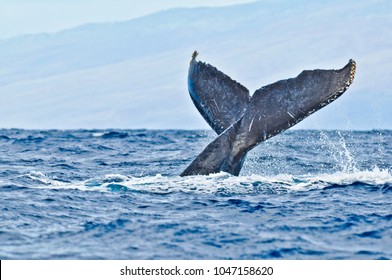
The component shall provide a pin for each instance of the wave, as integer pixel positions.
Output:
(111, 134)
(221, 183)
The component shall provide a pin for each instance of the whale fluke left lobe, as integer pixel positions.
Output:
(220, 100)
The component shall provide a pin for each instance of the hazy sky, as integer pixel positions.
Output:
(33, 16)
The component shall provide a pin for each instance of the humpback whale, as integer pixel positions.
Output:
(243, 121)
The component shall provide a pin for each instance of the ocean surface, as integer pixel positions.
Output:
(116, 194)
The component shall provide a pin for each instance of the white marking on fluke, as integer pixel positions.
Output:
(291, 114)
(251, 123)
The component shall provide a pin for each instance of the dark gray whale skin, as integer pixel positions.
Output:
(242, 122)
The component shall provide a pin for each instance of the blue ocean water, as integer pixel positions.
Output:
(116, 194)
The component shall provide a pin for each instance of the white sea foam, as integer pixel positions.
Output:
(98, 134)
(216, 183)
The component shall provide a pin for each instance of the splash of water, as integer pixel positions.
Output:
(344, 160)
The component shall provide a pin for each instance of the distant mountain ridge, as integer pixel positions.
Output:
(132, 74)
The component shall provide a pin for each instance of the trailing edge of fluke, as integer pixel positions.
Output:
(243, 121)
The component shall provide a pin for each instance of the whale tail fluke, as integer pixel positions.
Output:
(243, 122)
